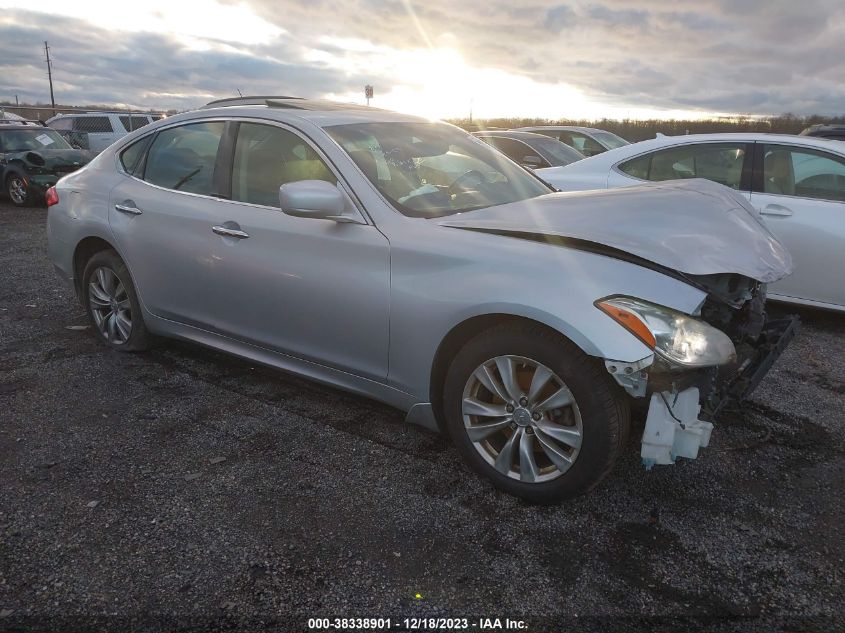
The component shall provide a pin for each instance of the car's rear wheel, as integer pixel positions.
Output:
(17, 190)
(533, 414)
(112, 304)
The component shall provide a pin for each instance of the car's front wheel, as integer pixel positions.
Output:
(112, 304)
(532, 413)
(18, 190)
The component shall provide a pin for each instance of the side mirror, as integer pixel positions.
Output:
(533, 162)
(316, 199)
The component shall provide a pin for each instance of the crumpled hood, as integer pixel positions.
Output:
(692, 226)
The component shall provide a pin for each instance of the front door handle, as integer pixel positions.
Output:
(776, 209)
(129, 210)
(227, 232)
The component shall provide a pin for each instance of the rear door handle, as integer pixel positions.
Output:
(227, 232)
(776, 209)
(127, 209)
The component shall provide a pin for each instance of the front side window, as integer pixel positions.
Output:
(183, 158)
(719, 162)
(610, 140)
(581, 142)
(433, 169)
(805, 173)
(267, 157)
(92, 124)
(555, 152)
(515, 150)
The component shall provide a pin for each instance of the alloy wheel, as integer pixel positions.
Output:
(522, 419)
(17, 190)
(110, 306)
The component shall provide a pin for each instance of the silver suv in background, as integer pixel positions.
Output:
(95, 131)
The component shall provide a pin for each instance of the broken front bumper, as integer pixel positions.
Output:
(769, 345)
(677, 425)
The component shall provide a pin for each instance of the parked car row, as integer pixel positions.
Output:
(531, 147)
(408, 261)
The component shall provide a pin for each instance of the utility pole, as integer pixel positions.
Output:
(50, 76)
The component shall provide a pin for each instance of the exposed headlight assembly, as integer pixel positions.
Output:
(675, 336)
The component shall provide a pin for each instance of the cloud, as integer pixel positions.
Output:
(744, 56)
(93, 65)
(755, 56)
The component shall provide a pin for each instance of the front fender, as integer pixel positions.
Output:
(469, 274)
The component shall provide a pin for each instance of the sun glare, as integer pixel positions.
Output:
(438, 83)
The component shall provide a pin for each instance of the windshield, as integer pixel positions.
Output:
(432, 169)
(610, 140)
(32, 140)
(557, 153)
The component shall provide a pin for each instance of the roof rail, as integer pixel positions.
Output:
(249, 100)
(4, 121)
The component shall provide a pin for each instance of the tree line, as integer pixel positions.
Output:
(641, 129)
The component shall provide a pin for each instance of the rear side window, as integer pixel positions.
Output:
(719, 162)
(266, 157)
(805, 173)
(92, 124)
(131, 123)
(183, 158)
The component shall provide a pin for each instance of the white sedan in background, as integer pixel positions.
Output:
(796, 183)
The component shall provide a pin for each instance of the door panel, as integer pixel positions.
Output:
(168, 247)
(811, 228)
(163, 227)
(315, 289)
(312, 288)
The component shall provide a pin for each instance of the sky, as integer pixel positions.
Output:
(437, 58)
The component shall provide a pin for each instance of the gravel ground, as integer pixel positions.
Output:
(185, 488)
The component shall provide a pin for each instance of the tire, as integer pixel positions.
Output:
(18, 190)
(106, 287)
(556, 469)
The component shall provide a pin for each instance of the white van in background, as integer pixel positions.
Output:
(95, 131)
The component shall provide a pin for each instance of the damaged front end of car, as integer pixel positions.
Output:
(701, 362)
(702, 234)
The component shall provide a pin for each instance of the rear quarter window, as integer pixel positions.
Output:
(92, 124)
(132, 123)
(131, 157)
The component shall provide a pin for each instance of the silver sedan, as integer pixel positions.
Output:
(410, 262)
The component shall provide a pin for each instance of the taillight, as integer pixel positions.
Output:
(51, 196)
